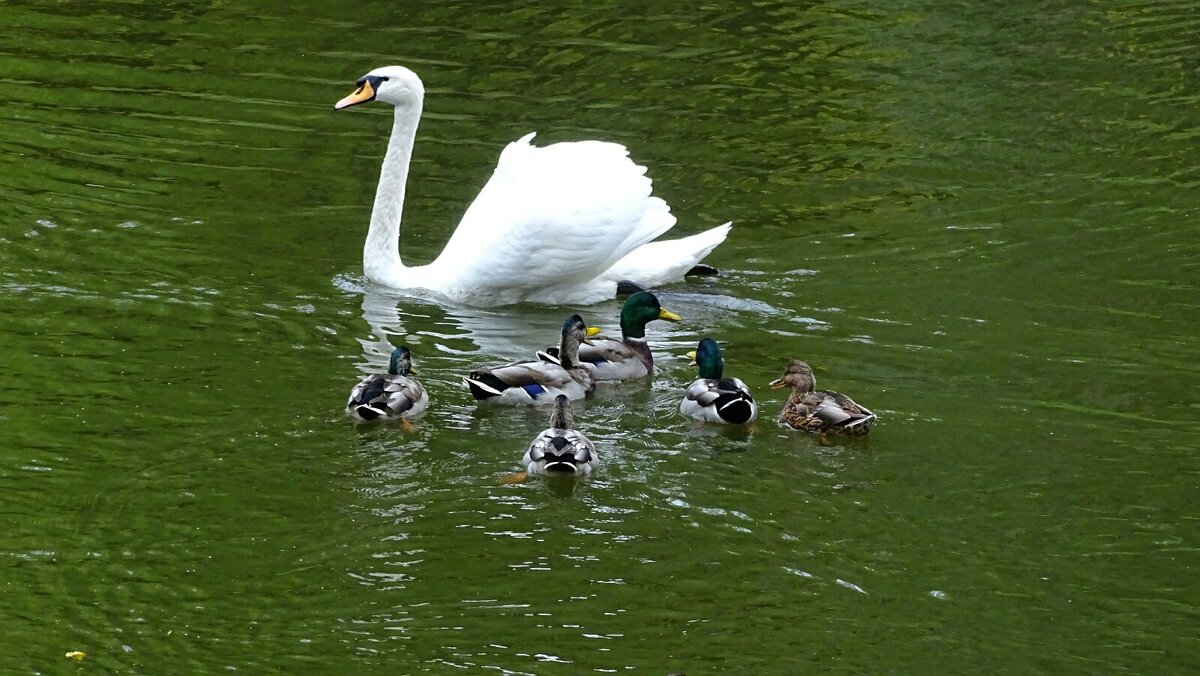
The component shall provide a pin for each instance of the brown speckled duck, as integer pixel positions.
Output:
(819, 411)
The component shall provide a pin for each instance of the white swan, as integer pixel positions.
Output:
(559, 224)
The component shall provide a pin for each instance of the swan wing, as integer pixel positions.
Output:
(554, 216)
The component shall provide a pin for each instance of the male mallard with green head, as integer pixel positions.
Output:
(629, 357)
(713, 397)
(391, 395)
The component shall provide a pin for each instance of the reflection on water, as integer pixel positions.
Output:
(396, 317)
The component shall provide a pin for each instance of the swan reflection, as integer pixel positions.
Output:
(460, 337)
(395, 317)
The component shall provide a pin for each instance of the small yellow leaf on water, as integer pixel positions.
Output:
(75, 655)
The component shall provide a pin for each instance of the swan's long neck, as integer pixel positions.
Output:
(381, 253)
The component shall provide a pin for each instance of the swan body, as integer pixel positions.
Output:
(391, 395)
(557, 224)
(537, 382)
(630, 356)
(561, 449)
(819, 411)
(713, 398)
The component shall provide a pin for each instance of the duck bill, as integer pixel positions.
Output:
(666, 314)
(591, 331)
(691, 356)
(776, 384)
(361, 95)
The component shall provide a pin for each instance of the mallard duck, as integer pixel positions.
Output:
(561, 449)
(391, 395)
(629, 357)
(583, 205)
(713, 397)
(539, 381)
(819, 411)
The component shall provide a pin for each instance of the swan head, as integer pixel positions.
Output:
(396, 85)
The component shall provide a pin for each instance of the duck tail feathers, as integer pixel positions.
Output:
(484, 385)
(736, 410)
(864, 422)
(368, 413)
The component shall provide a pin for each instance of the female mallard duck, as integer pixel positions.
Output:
(629, 357)
(819, 411)
(561, 449)
(391, 395)
(585, 206)
(540, 381)
(712, 397)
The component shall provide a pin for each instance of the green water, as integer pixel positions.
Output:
(978, 219)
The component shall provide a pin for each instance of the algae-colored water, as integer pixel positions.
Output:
(978, 219)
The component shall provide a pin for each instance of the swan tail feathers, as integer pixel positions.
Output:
(667, 261)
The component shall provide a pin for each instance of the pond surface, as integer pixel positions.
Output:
(979, 220)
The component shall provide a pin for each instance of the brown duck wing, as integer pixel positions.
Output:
(849, 405)
(606, 349)
(543, 373)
